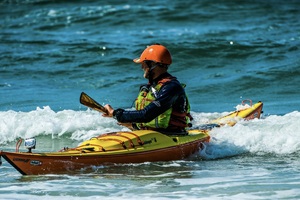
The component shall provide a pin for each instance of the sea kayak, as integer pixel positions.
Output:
(117, 147)
(121, 147)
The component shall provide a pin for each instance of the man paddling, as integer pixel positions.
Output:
(162, 104)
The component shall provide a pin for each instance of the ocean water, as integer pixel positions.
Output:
(225, 51)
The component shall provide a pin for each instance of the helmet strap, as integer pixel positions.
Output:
(152, 66)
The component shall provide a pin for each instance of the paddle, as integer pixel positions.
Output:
(89, 102)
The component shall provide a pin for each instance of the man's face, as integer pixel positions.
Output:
(146, 69)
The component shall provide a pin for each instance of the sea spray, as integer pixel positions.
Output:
(273, 134)
(44, 121)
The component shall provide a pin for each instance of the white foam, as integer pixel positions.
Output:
(44, 121)
(242, 107)
(273, 134)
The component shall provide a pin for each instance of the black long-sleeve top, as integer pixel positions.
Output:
(170, 95)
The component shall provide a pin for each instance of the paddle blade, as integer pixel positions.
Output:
(91, 103)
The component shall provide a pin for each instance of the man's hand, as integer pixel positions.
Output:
(110, 111)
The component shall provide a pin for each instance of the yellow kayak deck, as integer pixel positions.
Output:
(131, 142)
(248, 113)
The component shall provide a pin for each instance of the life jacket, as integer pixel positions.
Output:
(170, 119)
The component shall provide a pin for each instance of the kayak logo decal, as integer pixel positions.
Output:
(32, 162)
(35, 162)
(21, 160)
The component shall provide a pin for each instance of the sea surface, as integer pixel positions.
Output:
(224, 51)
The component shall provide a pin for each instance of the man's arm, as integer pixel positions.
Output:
(165, 99)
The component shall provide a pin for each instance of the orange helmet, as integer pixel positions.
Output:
(157, 53)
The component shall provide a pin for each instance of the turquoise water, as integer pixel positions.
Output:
(225, 52)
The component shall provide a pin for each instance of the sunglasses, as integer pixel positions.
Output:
(147, 64)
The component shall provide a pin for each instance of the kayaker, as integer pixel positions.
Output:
(162, 104)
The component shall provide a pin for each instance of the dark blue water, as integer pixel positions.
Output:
(224, 51)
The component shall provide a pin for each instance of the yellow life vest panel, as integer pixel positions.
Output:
(168, 119)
